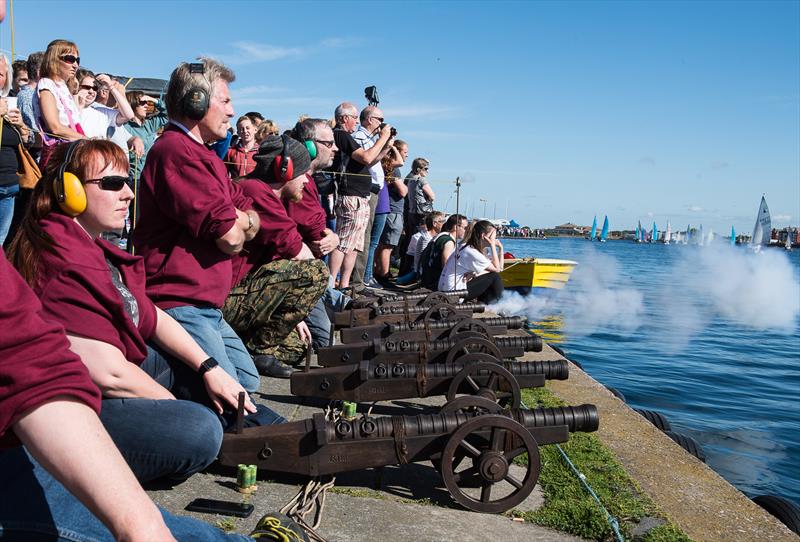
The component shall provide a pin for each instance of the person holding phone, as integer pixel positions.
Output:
(136, 354)
(475, 266)
(13, 133)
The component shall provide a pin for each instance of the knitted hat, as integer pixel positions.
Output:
(270, 149)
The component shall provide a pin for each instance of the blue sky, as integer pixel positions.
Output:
(680, 111)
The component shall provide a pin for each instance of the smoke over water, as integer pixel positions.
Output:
(697, 286)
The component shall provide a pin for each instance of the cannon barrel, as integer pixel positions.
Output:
(581, 418)
(555, 369)
(510, 322)
(421, 295)
(528, 343)
(400, 309)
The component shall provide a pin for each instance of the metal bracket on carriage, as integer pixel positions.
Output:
(432, 329)
(402, 313)
(477, 374)
(472, 448)
(417, 299)
(444, 350)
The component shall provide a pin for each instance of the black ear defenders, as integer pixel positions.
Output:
(283, 166)
(67, 187)
(194, 104)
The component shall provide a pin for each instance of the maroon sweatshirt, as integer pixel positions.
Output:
(278, 238)
(36, 364)
(186, 203)
(77, 291)
(308, 213)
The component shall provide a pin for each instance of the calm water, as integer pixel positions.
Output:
(674, 334)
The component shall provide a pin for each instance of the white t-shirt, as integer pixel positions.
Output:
(470, 260)
(420, 247)
(100, 122)
(366, 142)
(65, 104)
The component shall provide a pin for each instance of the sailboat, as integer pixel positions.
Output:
(733, 236)
(668, 233)
(642, 233)
(654, 238)
(593, 233)
(701, 237)
(762, 231)
(688, 234)
(788, 244)
(604, 231)
(638, 233)
(710, 236)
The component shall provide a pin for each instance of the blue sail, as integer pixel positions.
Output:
(654, 239)
(636, 237)
(733, 236)
(604, 232)
(593, 233)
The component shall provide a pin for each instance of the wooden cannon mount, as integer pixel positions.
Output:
(421, 299)
(403, 313)
(480, 375)
(445, 350)
(432, 329)
(471, 449)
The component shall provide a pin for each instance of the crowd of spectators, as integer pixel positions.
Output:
(180, 262)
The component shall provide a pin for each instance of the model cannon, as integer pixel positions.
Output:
(432, 330)
(445, 350)
(403, 313)
(472, 449)
(480, 375)
(422, 299)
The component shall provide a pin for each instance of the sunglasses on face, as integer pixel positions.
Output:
(71, 59)
(142, 103)
(328, 144)
(113, 183)
(89, 87)
(379, 119)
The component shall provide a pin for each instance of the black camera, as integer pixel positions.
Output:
(371, 94)
(392, 130)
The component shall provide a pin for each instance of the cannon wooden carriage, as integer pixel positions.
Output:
(473, 450)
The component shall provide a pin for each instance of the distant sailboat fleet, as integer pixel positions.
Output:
(762, 233)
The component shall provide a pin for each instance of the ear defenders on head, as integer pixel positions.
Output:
(67, 187)
(311, 147)
(194, 104)
(283, 166)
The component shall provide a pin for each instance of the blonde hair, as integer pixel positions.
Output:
(266, 129)
(7, 87)
(52, 56)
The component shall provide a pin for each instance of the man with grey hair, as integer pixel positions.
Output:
(354, 188)
(193, 218)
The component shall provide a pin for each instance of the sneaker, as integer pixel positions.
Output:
(278, 527)
(373, 283)
(385, 282)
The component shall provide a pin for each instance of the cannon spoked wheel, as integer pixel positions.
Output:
(441, 311)
(468, 404)
(470, 324)
(478, 356)
(500, 386)
(434, 298)
(470, 345)
(499, 440)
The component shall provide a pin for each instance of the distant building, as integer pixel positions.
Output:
(569, 229)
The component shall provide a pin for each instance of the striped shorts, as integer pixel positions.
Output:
(352, 216)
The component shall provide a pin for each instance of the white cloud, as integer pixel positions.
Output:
(255, 90)
(694, 209)
(648, 160)
(782, 218)
(250, 52)
(426, 111)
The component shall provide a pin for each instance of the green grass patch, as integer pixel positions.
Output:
(569, 507)
(357, 492)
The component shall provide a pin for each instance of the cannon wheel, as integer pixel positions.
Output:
(445, 311)
(501, 384)
(467, 404)
(490, 462)
(469, 324)
(470, 345)
(466, 359)
(435, 298)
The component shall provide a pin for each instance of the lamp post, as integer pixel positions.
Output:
(484, 200)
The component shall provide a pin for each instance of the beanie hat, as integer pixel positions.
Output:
(270, 149)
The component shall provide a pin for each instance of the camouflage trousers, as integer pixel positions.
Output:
(265, 306)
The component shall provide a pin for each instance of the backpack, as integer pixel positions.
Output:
(430, 262)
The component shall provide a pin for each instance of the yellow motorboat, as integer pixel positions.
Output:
(527, 273)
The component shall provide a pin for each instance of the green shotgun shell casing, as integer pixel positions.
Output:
(252, 475)
(241, 475)
(348, 409)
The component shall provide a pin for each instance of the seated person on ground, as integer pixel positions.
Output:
(277, 279)
(469, 268)
(135, 352)
(435, 255)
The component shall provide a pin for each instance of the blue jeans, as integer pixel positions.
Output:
(35, 506)
(319, 321)
(210, 330)
(8, 194)
(377, 230)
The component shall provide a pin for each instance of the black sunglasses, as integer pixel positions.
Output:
(328, 144)
(114, 183)
(71, 59)
(89, 87)
(379, 119)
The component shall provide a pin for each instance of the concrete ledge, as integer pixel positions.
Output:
(691, 494)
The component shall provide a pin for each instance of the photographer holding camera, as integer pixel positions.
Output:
(354, 178)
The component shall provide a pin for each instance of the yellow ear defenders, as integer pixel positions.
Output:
(68, 188)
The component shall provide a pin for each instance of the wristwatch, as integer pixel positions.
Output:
(206, 366)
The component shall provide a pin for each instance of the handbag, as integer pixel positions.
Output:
(27, 168)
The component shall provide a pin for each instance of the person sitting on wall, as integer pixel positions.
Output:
(469, 268)
(277, 278)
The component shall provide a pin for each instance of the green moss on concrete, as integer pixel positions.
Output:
(357, 492)
(569, 507)
(666, 533)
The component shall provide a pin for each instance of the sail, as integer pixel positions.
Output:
(654, 239)
(701, 237)
(593, 233)
(639, 233)
(604, 232)
(733, 236)
(762, 231)
(710, 236)
(688, 234)
(668, 233)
